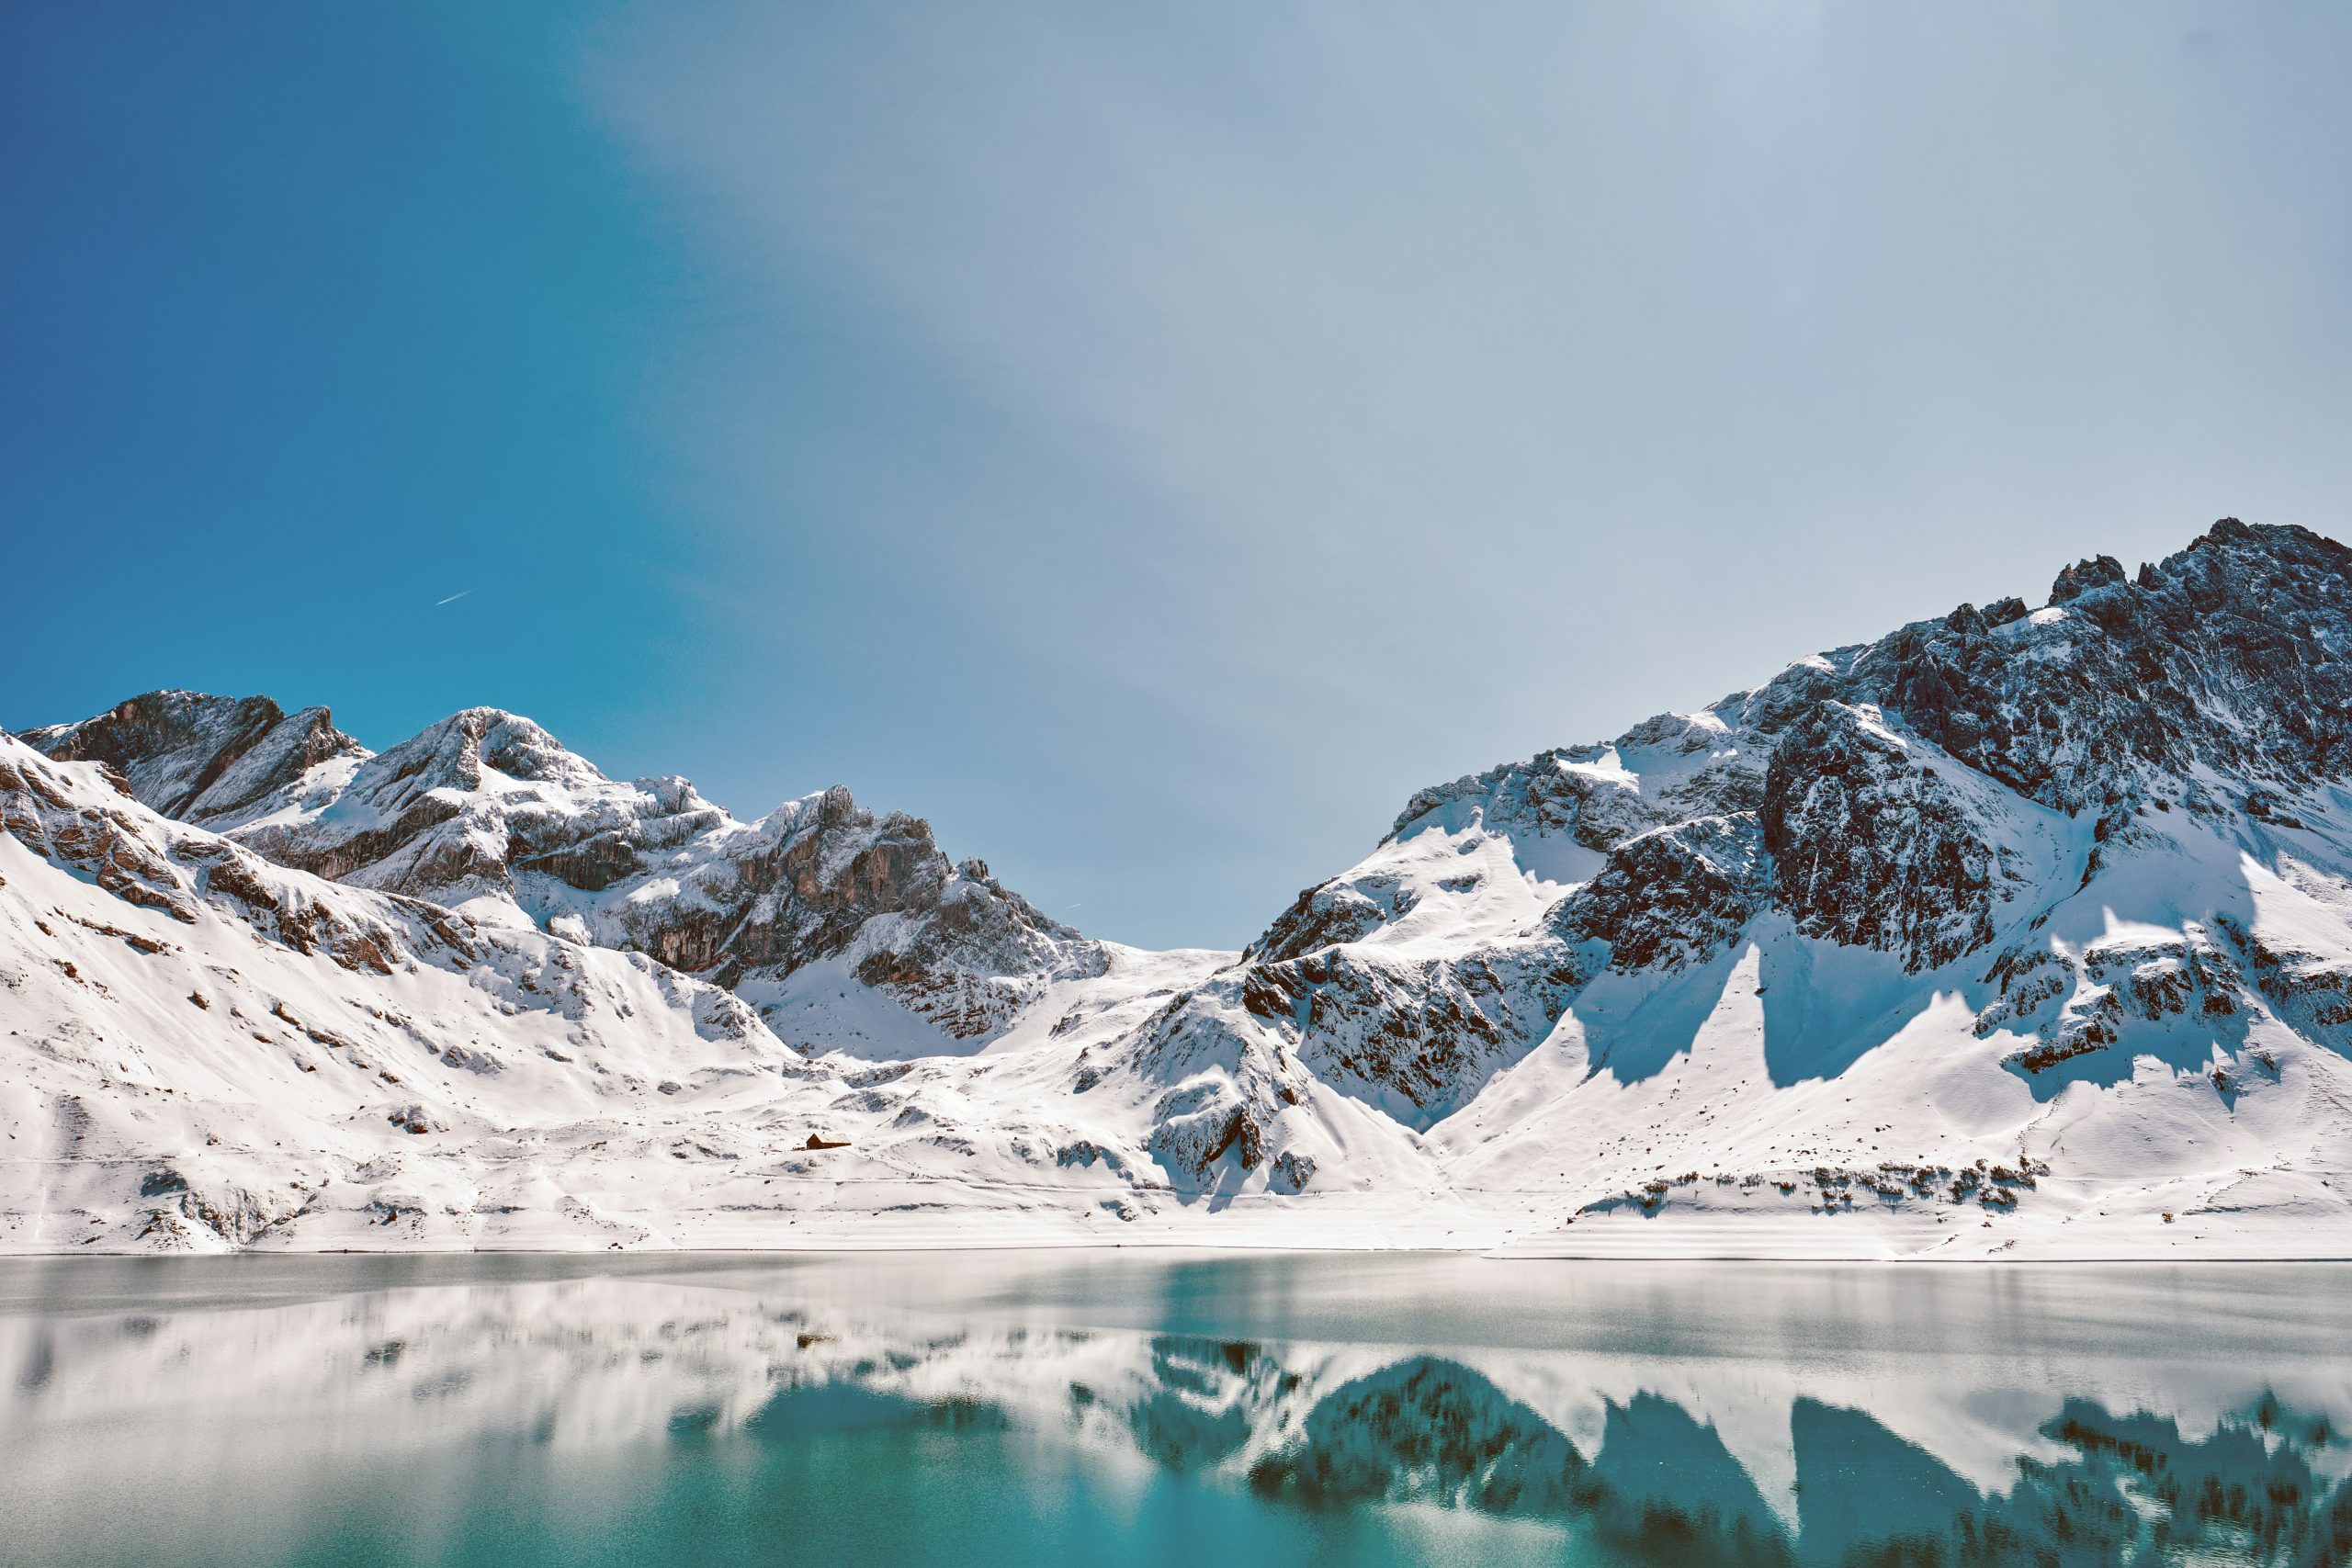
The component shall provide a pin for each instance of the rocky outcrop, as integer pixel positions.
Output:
(1227, 1083)
(1334, 912)
(1571, 792)
(1870, 848)
(2068, 1004)
(1413, 1036)
(118, 848)
(825, 877)
(98, 841)
(1674, 894)
(464, 808)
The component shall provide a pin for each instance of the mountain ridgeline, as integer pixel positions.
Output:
(485, 811)
(2014, 915)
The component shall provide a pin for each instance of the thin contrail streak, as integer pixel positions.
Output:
(452, 598)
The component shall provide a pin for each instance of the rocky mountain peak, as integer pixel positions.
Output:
(2100, 571)
(467, 742)
(2230, 653)
(197, 757)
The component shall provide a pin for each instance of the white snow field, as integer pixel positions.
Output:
(2015, 934)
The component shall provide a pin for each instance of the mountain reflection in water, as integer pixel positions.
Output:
(846, 1413)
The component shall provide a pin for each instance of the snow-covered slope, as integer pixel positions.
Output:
(2019, 933)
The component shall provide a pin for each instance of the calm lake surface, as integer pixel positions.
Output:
(1140, 1407)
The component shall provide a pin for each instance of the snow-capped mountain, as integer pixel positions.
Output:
(205, 1049)
(2015, 929)
(485, 813)
(2001, 903)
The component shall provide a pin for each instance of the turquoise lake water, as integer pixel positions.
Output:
(1141, 1407)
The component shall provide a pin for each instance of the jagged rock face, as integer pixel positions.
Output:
(1411, 1035)
(181, 872)
(980, 959)
(1334, 912)
(1674, 896)
(2232, 654)
(1642, 853)
(824, 878)
(175, 875)
(201, 758)
(38, 808)
(797, 886)
(2311, 989)
(487, 810)
(1872, 849)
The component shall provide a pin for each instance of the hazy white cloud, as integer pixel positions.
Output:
(1348, 395)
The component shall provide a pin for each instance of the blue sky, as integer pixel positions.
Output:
(1148, 441)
